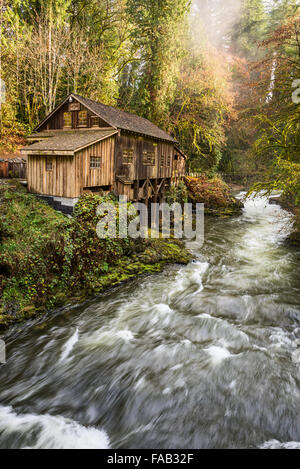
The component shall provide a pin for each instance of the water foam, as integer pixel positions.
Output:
(49, 432)
(108, 337)
(217, 354)
(69, 345)
(188, 284)
(275, 444)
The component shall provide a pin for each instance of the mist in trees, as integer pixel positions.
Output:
(215, 73)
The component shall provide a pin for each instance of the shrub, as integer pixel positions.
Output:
(212, 192)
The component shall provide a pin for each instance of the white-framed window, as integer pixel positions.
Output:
(49, 165)
(95, 162)
(127, 156)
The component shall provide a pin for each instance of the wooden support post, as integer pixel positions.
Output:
(147, 192)
(136, 189)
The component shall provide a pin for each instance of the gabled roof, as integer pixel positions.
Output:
(67, 142)
(119, 119)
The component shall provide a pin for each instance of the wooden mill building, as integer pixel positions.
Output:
(85, 146)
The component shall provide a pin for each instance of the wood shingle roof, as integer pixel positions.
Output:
(118, 119)
(124, 120)
(67, 142)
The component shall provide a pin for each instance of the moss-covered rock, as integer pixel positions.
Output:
(48, 260)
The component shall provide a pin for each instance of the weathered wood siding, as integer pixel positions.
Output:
(56, 121)
(139, 170)
(125, 189)
(179, 166)
(87, 177)
(59, 182)
(71, 174)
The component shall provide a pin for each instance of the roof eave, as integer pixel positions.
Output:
(92, 110)
(71, 95)
(42, 152)
(28, 151)
(96, 141)
(181, 152)
(169, 140)
(51, 113)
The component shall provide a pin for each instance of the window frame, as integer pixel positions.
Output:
(69, 113)
(93, 119)
(96, 162)
(127, 156)
(49, 165)
(86, 118)
(149, 158)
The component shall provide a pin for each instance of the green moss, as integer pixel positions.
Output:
(48, 260)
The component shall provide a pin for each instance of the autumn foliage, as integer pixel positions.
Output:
(214, 193)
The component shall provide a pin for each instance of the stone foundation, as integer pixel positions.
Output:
(61, 204)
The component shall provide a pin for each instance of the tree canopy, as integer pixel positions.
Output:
(216, 74)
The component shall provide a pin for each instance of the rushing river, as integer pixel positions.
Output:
(202, 356)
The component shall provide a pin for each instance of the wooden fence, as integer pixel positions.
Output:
(13, 168)
(194, 175)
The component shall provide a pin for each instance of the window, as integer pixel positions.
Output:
(162, 160)
(169, 158)
(67, 119)
(49, 165)
(95, 162)
(94, 121)
(127, 156)
(148, 158)
(82, 119)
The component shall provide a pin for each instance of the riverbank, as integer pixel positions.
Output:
(121, 370)
(294, 238)
(290, 205)
(215, 194)
(48, 260)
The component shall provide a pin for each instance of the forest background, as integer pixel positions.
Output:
(216, 74)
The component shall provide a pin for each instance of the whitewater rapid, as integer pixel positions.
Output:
(201, 356)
